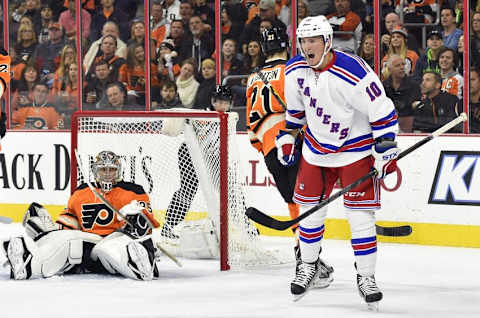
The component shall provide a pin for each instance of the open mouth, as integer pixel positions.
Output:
(311, 56)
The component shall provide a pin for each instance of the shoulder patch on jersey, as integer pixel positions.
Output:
(138, 189)
(350, 65)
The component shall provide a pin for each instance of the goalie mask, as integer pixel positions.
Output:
(222, 99)
(107, 170)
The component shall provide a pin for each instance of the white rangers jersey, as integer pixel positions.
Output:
(344, 107)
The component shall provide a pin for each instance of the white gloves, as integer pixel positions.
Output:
(385, 154)
(133, 208)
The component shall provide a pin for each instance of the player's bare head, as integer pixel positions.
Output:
(107, 169)
(315, 37)
(222, 98)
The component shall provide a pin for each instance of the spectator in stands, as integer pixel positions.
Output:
(26, 42)
(40, 114)
(66, 101)
(231, 65)
(47, 55)
(47, 17)
(67, 21)
(474, 119)
(452, 82)
(168, 66)
(323, 7)
(199, 45)
(402, 90)
(230, 27)
(429, 60)
(345, 20)
(251, 32)
(186, 12)
(187, 85)
(418, 11)
(159, 26)
(132, 74)
(302, 13)
(436, 108)
(68, 56)
(24, 20)
(94, 92)
(475, 40)
(109, 28)
(460, 55)
(117, 98)
(32, 8)
(108, 48)
(367, 49)
(205, 13)
(137, 33)
(450, 32)
(253, 59)
(172, 9)
(169, 97)
(177, 34)
(107, 12)
(16, 67)
(203, 97)
(22, 94)
(398, 45)
(392, 20)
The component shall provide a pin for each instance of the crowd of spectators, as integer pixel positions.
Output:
(419, 72)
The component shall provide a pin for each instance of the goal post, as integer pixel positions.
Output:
(189, 164)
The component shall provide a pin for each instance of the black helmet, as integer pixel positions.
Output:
(274, 40)
(223, 93)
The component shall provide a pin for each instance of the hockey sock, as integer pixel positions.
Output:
(310, 232)
(364, 240)
(294, 211)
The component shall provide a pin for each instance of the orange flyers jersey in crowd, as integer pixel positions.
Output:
(94, 216)
(453, 85)
(4, 71)
(265, 115)
(30, 117)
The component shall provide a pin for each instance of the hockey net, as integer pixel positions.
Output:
(189, 164)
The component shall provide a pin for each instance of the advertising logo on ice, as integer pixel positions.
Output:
(457, 179)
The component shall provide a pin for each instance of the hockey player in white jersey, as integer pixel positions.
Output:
(351, 128)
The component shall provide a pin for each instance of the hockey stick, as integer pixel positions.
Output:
(5, 220)
(266, 220)
(123, 216)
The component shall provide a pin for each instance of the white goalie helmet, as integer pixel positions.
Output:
(313, 27)
(107, 170)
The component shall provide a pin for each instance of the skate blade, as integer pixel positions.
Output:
(298, 297)
(322, 283)
(373, 306)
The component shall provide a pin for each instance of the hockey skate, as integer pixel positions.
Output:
(306, 274)
(142, 259)
(18, 257)
(367, 287)
(325, 277)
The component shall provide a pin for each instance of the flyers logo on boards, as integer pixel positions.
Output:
(457, 179)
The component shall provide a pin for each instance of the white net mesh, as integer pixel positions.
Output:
(180, 173)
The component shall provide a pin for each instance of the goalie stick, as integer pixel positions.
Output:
(123, 216)
(270, 222)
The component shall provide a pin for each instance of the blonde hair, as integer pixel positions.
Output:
(208, 62)
(24, 27)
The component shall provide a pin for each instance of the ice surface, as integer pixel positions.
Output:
(417, 281)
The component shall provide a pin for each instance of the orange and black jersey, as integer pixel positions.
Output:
(94, 216)
(265, 115)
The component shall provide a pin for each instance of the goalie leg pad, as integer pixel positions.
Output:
(364, 240)
(62, 250)
(38, 221)
(120, 254)
(19, 257)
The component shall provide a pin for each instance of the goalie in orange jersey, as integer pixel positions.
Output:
(89, 236)
(4, 80)
(266, 120)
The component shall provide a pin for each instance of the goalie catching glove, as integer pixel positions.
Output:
(385, 153)
(287, 151)
(134, 214)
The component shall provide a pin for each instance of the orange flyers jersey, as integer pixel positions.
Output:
(94, 216)
(30, 117)
(265, 115)
(453, 85)
(4, 71)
